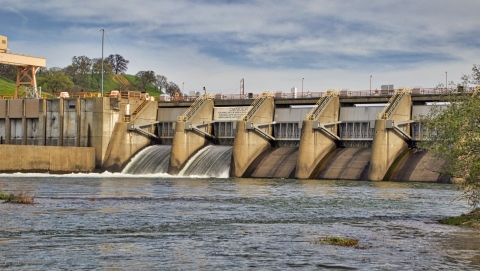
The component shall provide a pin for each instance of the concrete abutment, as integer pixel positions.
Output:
(187, 140)
(249, 143)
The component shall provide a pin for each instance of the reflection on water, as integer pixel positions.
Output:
(191, 187)
(246, 187)
(311, 188)
(159, 223)
(137, 188)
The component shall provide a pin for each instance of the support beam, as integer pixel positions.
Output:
(315, 142)
(187, 141)
(248, 143)
(387, 143)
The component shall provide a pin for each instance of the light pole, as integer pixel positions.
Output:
(302, 86)
(446, 80)
(103, 33)
(370, 85)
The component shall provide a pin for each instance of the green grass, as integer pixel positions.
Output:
(7, 87)
(337, 241)
(471, 220)
(21, 198)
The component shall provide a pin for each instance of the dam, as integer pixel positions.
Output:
(329, 135)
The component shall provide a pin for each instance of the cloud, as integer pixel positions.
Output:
(227, 40)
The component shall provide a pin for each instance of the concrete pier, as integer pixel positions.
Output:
(191, 134)
(388, 141)
(249, 142)
(315, 144)
(123, 144)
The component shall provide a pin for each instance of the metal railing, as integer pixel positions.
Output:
(140, 107)
(255, 105)
(196, 105)
(280, 95)
(392, 103)
(321, 103)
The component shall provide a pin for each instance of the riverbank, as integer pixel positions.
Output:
(470, 220)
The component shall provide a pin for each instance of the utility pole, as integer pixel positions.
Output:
(370, 85)
(103, 33)
(446, 80)
(302, 86)
(242, 87)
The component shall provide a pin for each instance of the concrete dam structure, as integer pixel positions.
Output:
(324, 136)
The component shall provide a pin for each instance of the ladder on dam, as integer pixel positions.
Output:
(321, 105)
(196, 105)
(390, 108)
(396, 98)
(139, 108)
(257, 103)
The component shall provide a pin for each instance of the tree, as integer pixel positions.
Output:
(118, 63)
(172, 88)
(97, 69)
(79, 70)
(143, 78)
(8, 72)
(160, 82)
(55, 80)
(454, 138)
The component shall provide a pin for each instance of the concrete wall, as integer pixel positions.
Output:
(86, 122)
(46, 159)
(187, 142)
(291, 114)
(316, 144)
(248, 144)
(169, 114)
(388, 144)
(359, 113)
(124, 144)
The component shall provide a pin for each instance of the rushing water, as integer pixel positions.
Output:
(153, 159)
(125, 222)
(211, 161)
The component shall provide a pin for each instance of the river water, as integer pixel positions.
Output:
(120, 222)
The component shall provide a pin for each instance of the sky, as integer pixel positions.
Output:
(273, 45)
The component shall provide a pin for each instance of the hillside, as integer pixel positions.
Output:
(7, 87)
(113, 82)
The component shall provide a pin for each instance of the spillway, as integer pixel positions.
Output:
(348, 164)
(151, 160)
(419, 166)
(211, 161)
(274, 163)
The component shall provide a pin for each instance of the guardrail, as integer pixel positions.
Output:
(194, 107)
(341, 93)
(278, 95)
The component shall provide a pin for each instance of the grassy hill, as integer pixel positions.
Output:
(112, 82)
(7, 87)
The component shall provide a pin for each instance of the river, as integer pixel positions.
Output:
(156, 222)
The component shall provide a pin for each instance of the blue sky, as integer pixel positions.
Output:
(271, 44)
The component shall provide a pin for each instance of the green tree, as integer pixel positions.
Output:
(143, 78)
(8, 72)
(172, 88)
(97, 70)
(161, 82)
(84, 66)
(55, 80)
(454, 138)
(118, 63)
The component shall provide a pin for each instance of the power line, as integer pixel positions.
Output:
(111, 44)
